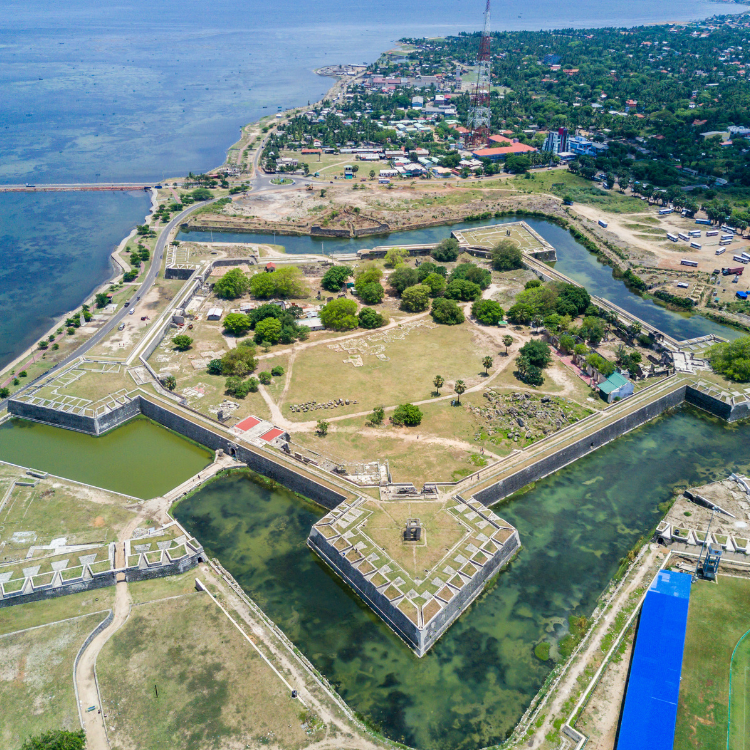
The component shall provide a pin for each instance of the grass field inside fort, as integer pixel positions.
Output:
(719, 616)
(488, 237)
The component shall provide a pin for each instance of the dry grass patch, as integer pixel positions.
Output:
(214, 691)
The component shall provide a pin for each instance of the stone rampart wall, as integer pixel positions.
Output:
(263, 465)
(717, 407)
(579, 448)
(173, 272)
(99, 581)
(170, 569)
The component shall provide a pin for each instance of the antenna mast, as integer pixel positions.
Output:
(480, 115)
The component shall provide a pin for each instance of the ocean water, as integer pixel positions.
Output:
(54, 251)
(96, 91)
(473, 686)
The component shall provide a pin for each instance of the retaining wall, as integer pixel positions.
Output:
(99, 581)
(579, 448)
(257, 462)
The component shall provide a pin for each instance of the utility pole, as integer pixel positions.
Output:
(705, 542)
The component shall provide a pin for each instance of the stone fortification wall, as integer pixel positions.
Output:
(579, 448)
(264, 465)
(177, 272)
(420, 640)
(76, 422)
(98, 581)
(393, 617)
(717, 407)
(170, 569)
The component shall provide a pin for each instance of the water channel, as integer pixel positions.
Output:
(572, 259)
(140, 458)
(471, 689)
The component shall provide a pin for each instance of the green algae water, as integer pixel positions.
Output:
(473, 686)
(140, 458)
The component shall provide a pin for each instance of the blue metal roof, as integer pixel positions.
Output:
(650, 712)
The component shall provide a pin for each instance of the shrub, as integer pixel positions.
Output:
(427, 267)
(369, 318)
(604, 366)
(377, 416)
(238, 324)
(232, 284)
(268, 329)
(506, 256)
(446, 311)
(446, 251)
(4, 392)
(182, 342)
(463, 290)
(340, 315)
(407, 415)
(335, 277)
(277, 371)
(372, 293)
(567, 343)
(402, 278)
(239, 361)
(395, 257)
(129, 276)
(169, 382)
(284, 283)
(532, 284)
(56, 739)
(521, 313)
(487, 312)
(265, 377)
(214, 367)
(415, 298)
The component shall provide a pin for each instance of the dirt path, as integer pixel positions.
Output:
(85, 676)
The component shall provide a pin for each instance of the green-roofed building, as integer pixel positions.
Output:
(616, 386)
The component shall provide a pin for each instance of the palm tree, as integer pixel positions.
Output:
(459, 388)
(438, 382)
(487, 363)
(507, 340)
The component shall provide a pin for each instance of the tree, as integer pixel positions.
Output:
(369, 318)
(446, 312)
(169, 382)
(322, 428)
(340, 315)
(592, 329)
(214, 367)
(44, 344)
(436, 282)
(438, 381)
(101, 299)
(395, 257)
(572, 300)
(506, 256)
(372, 174)
(415, 298)
(507, 341)
(377, 416)
(265, 377)
(407, 415)
(463, 290)
(4, 392)
(527, 372)
(277, 371)
(335, 277)
(521, 313)
(567, 343)
(537, 352)
(471, 272)
(732, 360)
(262, 285)
(487, 312)
(201, 194)
(269, 330)
(459, 388)
(182, 342)
(403, 278)
(56, 739)
(239, 361)
(372, 293)
(238, 324)
(446, 251)
(517, 163)
(232, 284)
(288, 282)
(487, 363)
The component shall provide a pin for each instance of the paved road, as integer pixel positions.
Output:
(117, 318)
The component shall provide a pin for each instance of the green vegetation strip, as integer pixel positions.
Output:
(738, 732)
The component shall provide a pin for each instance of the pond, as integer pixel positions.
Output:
(140, 458)
(473, 686)
(572, 259)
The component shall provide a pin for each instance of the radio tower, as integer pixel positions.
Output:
(480, 115)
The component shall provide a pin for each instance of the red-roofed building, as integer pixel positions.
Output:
(499, 154)
(698, 123)
(461, 129)
(270, 267)
(272, 434)
(500, 139)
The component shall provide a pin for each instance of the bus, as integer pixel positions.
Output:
(695, 232)
(664, 211)
(683, 236)
(725, 242)
(602, 223)
(713, 233)
(703, 221)
(692, 263)
(725, 228)
(672, 237)
(739, 259)
(721, 250)
(695, 246)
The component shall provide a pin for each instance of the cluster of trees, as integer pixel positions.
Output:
(284, 283)
(732, 360)
(539, 301)
(271, 325)
(533, 357)
(341, 315)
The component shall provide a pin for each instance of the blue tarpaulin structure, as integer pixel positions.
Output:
(650, 712)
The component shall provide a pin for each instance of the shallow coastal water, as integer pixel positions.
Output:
(572, 259)
(140, 458)
(54, 251)
(473, 686)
